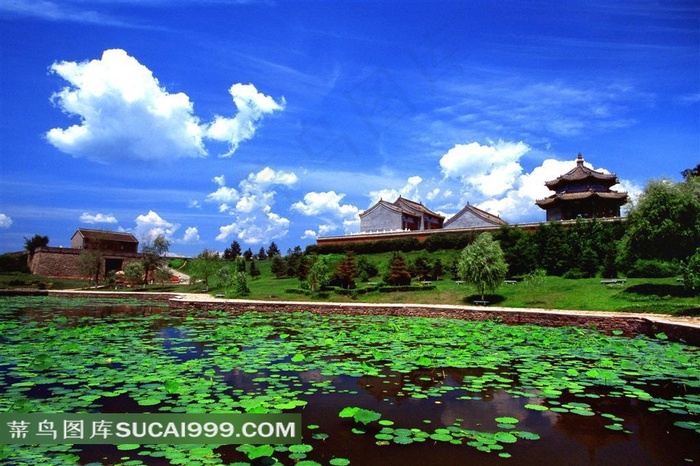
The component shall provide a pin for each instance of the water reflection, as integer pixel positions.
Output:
(423, 399)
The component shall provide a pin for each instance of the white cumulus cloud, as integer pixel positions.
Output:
(518, 204)
(251, 206)
(125, 113)
(5, 221)
(252, 107)
(151, 225)
(409, 191)
(87, 217)
(490, 169)
(191, 235)
(327, 206)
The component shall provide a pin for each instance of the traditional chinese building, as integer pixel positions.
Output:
(116, 250)
(472, 217)
(108, 241)
(402, 214)
(583, 192)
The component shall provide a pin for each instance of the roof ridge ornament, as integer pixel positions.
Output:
(579, 159)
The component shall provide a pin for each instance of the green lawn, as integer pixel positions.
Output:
(656, 295)
(663, 295)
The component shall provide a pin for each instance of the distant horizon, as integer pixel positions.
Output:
(268, 121)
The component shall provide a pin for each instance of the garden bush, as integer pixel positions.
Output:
(650, 268)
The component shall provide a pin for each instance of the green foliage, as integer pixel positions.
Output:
(438, 241)
(176, 263)
(14, 262)
(345, 272)
(152, 253)
(273, 250)
(398, 274)
(665, 223)
(134, 272)
(318, 275)
(691, 273)
(519, 249)
(552, 248)
(482, 264)
(232, 252)
(242, 283)
(259, 362)
(278, 266)
(647, 268)
(368, 247)
(90, 264)
(205, 266)
(36, 241)
(533, 282)
(254, 270)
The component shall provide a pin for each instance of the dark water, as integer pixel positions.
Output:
(565, 438)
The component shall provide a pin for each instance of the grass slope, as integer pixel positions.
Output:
(663, 295)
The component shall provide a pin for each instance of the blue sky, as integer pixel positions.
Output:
(214, 121)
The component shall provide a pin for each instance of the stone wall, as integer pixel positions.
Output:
(63, 262)
(630, 325)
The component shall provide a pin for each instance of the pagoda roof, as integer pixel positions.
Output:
(580, 173)
(620, 197)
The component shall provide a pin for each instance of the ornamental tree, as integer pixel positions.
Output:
(482, 264)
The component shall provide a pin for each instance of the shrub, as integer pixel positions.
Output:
(650, 268)
(575, 274)
(691, 273)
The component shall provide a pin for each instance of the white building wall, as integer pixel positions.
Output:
(381, 219)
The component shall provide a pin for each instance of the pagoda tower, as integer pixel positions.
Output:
(583, 192)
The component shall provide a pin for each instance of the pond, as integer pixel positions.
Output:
(370, 389)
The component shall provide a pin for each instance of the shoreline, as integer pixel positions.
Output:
(681, 329)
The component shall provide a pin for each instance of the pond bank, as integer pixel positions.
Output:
(685, 329)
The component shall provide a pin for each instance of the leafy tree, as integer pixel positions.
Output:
(346, 271)
(231, 253)
(519, 249)
(242, 283)
(691, 273)
(665, 223)
(422, 268)
(36, 241)
(482, 264)
(90, 264)
(163, 274)
(366, 269)
(230, 275)
(254, 270)
(552, 249)
(205, 265)
(533, 281)
(398, 271)
(437, 270)
(152, 254)
(318, 274)
(273, 250)
(691, 172)
(224, 276)
(278, 266)
(133, 272)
